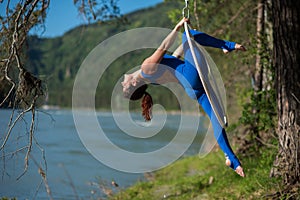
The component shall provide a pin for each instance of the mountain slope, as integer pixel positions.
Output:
(57, 60)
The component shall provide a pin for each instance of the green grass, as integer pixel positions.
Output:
(207, 178)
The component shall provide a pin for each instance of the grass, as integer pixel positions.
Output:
(207, 178)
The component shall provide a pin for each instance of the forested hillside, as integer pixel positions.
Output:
(56, 60)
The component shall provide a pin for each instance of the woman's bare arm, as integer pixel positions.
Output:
(149, 66)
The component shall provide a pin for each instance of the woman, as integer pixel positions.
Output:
(181, 71)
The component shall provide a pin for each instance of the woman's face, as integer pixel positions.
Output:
(128, 81)
(133, 88)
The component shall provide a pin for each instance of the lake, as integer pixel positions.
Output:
(72, 171)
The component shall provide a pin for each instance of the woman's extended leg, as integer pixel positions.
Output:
(196, 86)
(220, 134)
(207, 40)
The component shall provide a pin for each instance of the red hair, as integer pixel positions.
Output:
(147, 104)
(135, 93)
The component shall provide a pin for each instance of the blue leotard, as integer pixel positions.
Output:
(188, 77)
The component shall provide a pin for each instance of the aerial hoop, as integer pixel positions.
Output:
(212, 89)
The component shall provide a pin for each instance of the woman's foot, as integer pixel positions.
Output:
(225, 51)
(239, 47)
(236, 47)
(239, 170)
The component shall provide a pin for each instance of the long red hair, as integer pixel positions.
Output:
(146, 105)
(136, 93)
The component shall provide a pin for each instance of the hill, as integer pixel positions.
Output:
(57, 60)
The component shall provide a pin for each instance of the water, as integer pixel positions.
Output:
(72, 172)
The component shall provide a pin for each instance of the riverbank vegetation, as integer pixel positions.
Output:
(209, 178)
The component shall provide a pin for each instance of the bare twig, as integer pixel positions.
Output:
(13, 125)
(266, 144)
(70, 182)
(43, 174)
(10, 81)
(29, 147)
(295, 97)
(13, 153)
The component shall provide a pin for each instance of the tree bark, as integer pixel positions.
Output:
(260, 23)
(286, 61)
(259, 68)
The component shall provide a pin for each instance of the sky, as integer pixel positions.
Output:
(63, 15)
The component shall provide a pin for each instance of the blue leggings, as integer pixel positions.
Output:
(207, 40)
(219, 131)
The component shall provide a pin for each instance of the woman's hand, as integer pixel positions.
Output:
(181, 23)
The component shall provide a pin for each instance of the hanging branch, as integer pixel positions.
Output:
(92, 10)
(24, 88)
(19, 88)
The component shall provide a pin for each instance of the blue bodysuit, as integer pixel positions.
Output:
(187, 75)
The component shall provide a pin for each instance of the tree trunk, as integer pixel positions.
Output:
(258, 72)
(260, 23)
(286, 60)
